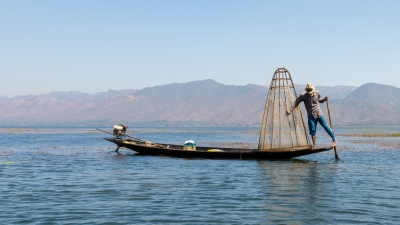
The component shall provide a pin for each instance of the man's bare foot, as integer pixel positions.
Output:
(334, 144)
(314, 147)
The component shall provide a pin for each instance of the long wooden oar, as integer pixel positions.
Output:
(330, 122)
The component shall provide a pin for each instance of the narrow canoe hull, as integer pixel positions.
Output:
(148, 148)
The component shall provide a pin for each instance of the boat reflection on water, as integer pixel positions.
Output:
(299, 190)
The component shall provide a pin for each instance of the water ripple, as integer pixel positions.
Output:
(83, 181)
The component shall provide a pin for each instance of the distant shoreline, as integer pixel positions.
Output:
(370, 130)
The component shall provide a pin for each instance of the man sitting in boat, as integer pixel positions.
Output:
(311, 99)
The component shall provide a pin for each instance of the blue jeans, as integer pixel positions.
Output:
(312, 125)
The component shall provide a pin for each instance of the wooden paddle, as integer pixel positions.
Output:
(330, 123)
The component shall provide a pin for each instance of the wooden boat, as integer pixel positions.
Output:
(281, 136)
(159, 149)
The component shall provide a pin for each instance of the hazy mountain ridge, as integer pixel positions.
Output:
(204, 102)
(371, 103)
(3, 99)
(72, 95)
(198, 101)
(334, 92)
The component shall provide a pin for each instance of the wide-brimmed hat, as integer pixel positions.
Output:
(310, 88)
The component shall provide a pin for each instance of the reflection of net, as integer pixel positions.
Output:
(278, 130)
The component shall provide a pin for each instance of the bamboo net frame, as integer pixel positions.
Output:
(280, 131)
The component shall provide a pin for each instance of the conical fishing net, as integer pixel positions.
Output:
(280, 131)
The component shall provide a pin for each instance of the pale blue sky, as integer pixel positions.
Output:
(93, 46)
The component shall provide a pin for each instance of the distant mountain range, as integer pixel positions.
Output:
(202, 103)
(71, 95)
(369, 104)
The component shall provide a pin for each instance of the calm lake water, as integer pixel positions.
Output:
(72, 175)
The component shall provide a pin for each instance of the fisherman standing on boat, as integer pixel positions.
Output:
(311, 99)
